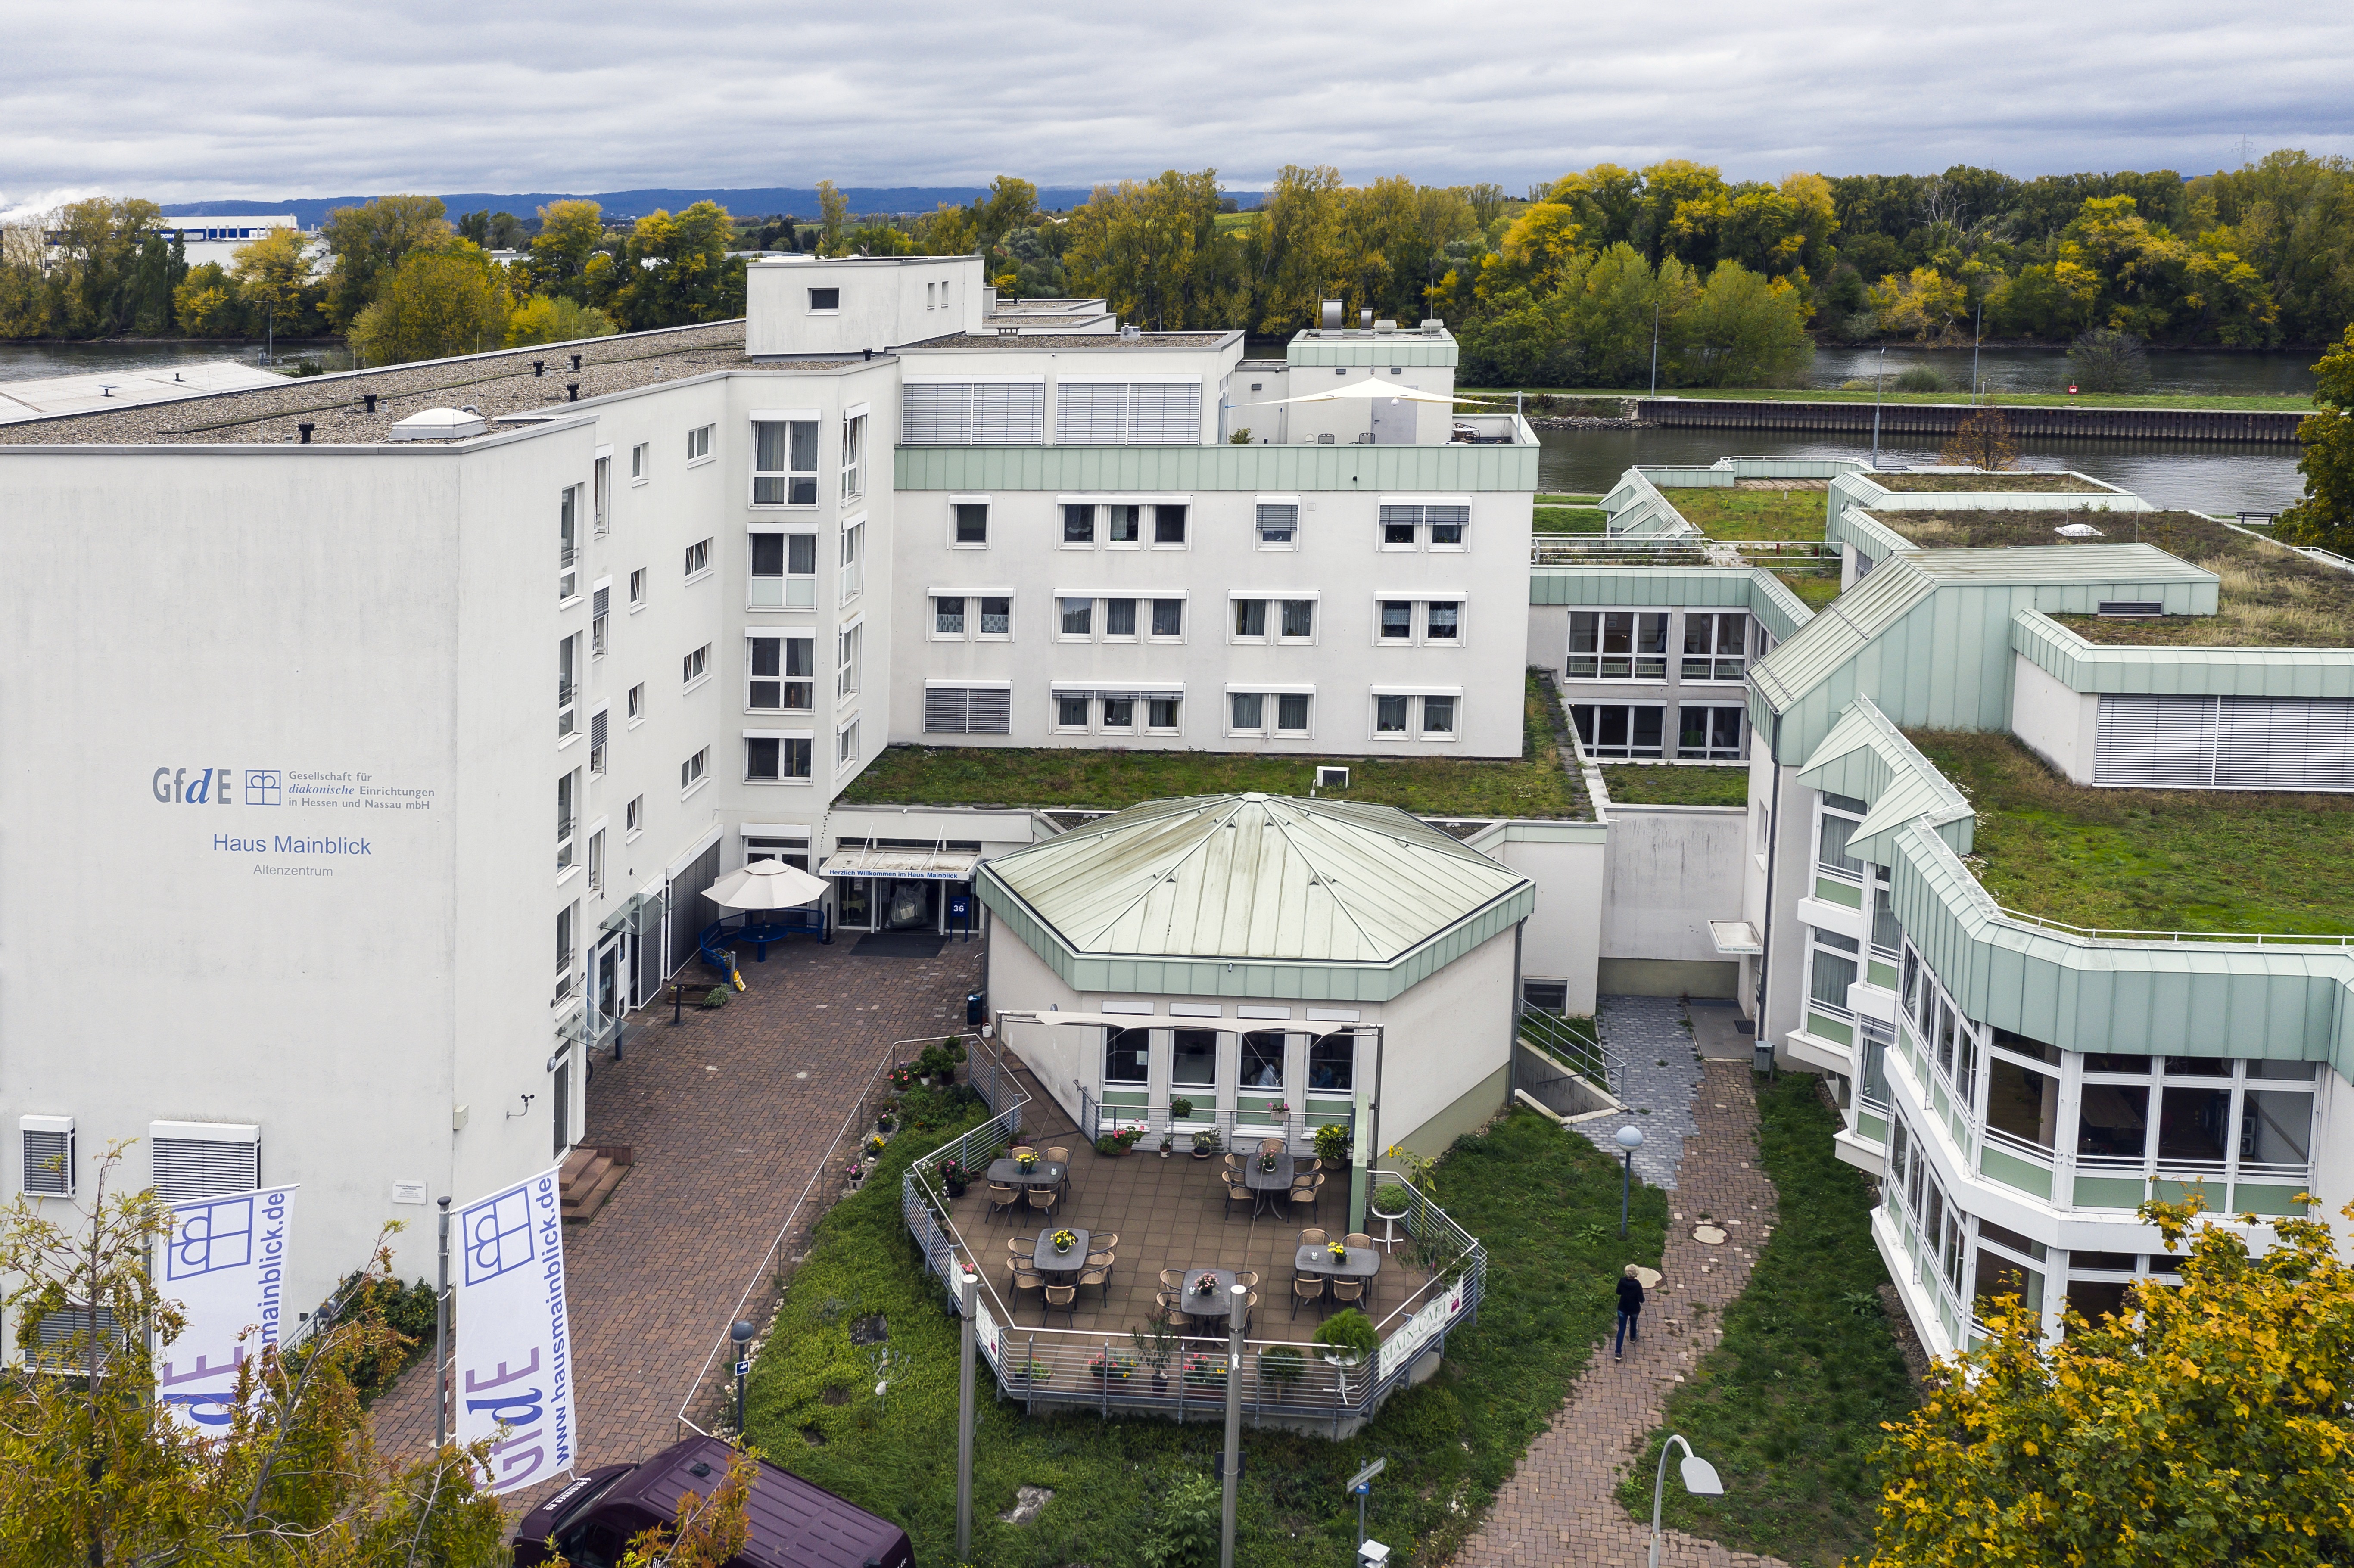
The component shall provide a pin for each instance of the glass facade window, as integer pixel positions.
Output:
(1193, 1057)
(1333, 1061)
(2022, 1103)
(1832, 835)
(2113, 1121)
(1832, 969)
(1617, 729)
(1262, 1060)
(1618, 645)
(1127, 1053)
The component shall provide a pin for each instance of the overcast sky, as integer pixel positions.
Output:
(275, 98)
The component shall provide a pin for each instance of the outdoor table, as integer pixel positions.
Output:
(1005, 1174)
(1219, 1303)
(1362, 1263)
(1052, 1262)
(1267, 1185)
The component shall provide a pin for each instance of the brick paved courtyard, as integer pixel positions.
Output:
(727, 1115)
(1559, 1508)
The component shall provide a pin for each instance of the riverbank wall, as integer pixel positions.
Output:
(1897, 420)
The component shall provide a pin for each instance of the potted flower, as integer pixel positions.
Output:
(1063, 1241)
(1111, 1367)
(876, 1144)
(1348, 1338)
(1168, 1138)
(1392, 1202)
(954, 1176)
(1332, 1142)
(1155, 1344)
(857, 1174)
(1337, 1251)
(1112, 1144)
(1205, 1143)
(1266, 1162)
(1204, 1375)
(884, 1120)
(1280, 1107)
(1180, 1109)
(901, 1077)
(1026, 1162)
(1208, 1285)
(1035, 1374)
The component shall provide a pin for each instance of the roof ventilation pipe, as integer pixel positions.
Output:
(1330, 318)
(367, 401)
(539, 367)
(576, 364)
(572, 391)
(306, 428)
(1365, 319)
(1131, 331)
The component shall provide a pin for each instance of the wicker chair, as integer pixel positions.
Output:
(1063, 1157)
(1064, 1298)
(1247, 1278)
(1359, 1239)
(1172, 1279)
(1018, 1150)
(1098, 1272)
(1042, 1199)
(1311, 1237)
(1104, 1240)
(1348, 1292)
(1270, 1146)
(1306, 1287)
(1303, 1191)
(1002, 1200)
(1237, 1193)
(1025, 1278)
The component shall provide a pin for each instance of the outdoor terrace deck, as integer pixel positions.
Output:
(2148, 860)
(2270, 595)
(1173, 1213)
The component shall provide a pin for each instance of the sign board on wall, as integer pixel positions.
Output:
(225, 1264)
(1419, 1330)
(511, 1378)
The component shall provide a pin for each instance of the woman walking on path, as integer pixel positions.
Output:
(1630, 1308)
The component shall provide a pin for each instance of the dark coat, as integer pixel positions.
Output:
(1630, 1294)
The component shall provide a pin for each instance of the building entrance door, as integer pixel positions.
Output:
(608, 991)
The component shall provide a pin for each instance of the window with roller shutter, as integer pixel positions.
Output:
(596, 725)
(968, 710)
(205, 1160)
(972, 413)
(2223, 743)
(48, 1145)
(1128, 413)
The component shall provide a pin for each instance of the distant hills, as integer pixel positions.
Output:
(755, 202)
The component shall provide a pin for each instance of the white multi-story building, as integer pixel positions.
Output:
(317, 876)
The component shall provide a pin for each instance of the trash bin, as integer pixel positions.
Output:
(976, 1009)
(1764, 1057)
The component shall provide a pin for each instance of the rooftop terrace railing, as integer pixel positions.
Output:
(2125, 936)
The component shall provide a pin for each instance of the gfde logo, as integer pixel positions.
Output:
(216, 786)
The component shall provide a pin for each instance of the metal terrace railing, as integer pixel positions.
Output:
(2105, 934)
(1577, 1043)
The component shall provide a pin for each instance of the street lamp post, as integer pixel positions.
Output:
(968, 1284)
(1700, 1480)
(1631, 1139)
(741, 1334)
(1232, 1466)
(1877, 377)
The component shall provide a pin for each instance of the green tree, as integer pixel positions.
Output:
(675, 270)
(93, 1470)
(160, 266)
(2326, 516)
(1011, 204)
(369, 242)
(491, 231)
(1294, 248)
(2209, 1423)
(949, 231)
(1744, 331)
(96, 265)
(566, 248)
(552, 318)
(834, 211)
(273, 280)
(438, 303)
(2291, 216)
(1152, 249)
(206, 304)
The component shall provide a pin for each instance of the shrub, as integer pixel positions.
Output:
(1332, 1142)
(1207, 1142)
(714, 998)
(1348, 1329)
(1282, 1366)
(2108, 361)
(1392, 1199)
(1185, 1534)
(1920, 379)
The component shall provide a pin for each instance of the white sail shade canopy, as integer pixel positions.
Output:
(1371, 389)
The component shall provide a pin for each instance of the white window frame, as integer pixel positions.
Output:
(1235, 635)
(1259, 522)
(636, 701)
(1627, 752)
(789, 590)
(1151, 728)
(956, 503)
(642, 462)
(568, 547)
(695, 668)
(597, 868)
(698, 445)
(1185, 529)
(833, 293)
(963, 602)
(790, 479)
(847, 747)
(569, 676)
(1149, 618)
(980, 607)
(601, 521)
(1708, 750)
(852, 552)
(56, 1136)
(1424, 528)
(784, 680)
(1599, 667)
(1104, 723)
(849, 660)
(854, 453)
(637, 590)
(1063, 525)
(1270, 712)
(695, 561)
(1056, 725)
(1135, 620)
(1106, 518)
(1062, 618)
(1714, 665)
(633, 819)
(694, 772)
(784, 739)
(1414, 697)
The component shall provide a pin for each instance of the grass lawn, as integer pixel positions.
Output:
(1536, 785)
(2282, 402)
(1545, 1202)
(1753, 513)
(1815, 590)
(1570, 519)
(1788, 1406)
(2149, 859)
(1549, 498)
(1633, 784)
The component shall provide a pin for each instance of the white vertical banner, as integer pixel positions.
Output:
(511, 1378)
(225, 1264)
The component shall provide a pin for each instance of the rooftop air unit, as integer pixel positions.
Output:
(1329, 318)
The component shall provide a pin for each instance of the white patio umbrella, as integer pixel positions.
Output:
(1371, 389)
(766, 885)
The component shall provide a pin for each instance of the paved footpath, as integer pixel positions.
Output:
(1559, 1508)
(727, 1115)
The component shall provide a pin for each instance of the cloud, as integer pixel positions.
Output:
(268, 98)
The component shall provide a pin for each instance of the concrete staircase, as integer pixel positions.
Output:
(588, 1177)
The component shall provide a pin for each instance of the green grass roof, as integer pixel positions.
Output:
(2155, 860)
(2016, 481)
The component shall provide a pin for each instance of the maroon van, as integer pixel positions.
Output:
(794, 1524)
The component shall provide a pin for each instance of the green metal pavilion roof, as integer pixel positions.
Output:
(1252, 895)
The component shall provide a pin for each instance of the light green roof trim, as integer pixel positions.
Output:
(2272, 1002)
(1771, 601)
(2086, 666)
(2098, 496)
(1927, 635)
(1307, 898)
(1366, 470)
(1866, 757)
(1854, 525)
(1407, 347)
(1636, 510)
(1692, 477)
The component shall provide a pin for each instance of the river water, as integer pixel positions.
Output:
(39, 361)
(2200, 476)
(2194, 371)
